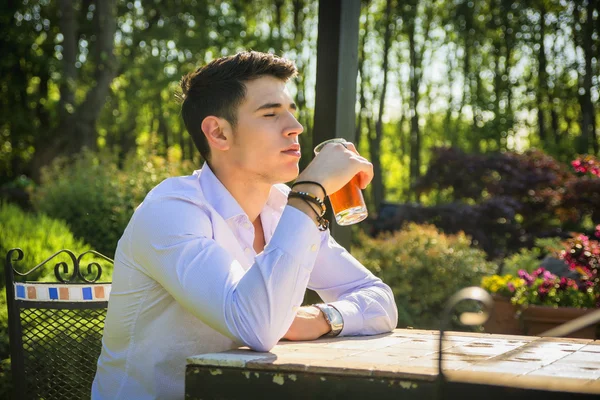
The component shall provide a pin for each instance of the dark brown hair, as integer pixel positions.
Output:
(218, 89)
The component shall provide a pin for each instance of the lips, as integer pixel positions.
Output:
(293, 150)
(294, 147)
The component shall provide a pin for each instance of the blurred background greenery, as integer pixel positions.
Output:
(470, 110)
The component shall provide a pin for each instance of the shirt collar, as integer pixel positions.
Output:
(217, 195)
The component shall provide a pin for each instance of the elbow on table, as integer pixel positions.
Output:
(393, 320)
(260, 338)
(391, 310)
(262, 344)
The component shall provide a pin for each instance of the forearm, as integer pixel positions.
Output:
(309, 324)
(366, 303)
(368, 311)
(305, 207)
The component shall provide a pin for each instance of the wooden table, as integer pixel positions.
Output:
(402, 364)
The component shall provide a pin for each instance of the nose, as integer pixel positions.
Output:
(293, 127)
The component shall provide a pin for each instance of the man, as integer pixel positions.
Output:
(222, 258)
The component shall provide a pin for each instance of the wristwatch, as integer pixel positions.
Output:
(333, 317)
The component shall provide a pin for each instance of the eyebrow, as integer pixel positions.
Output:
(267, 106)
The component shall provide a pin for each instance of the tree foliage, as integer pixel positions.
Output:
(492, 75)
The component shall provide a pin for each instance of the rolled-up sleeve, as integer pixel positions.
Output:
(365, 302)
(173, 242)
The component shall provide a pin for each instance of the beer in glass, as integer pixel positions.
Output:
(347, 203)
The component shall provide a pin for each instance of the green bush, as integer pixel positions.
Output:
(97, 198)
(39, 236)
(529, 259)
(423, 267)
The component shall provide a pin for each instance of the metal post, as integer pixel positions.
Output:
(337, 69)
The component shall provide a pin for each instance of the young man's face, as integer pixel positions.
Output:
(265, 140)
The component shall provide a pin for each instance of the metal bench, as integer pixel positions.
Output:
(55, 328)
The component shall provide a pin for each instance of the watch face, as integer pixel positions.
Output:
(334, 318)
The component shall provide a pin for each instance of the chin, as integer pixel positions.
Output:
(289, 175)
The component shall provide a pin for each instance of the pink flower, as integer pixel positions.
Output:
(511, 287)
(526, 277)
(549, 276)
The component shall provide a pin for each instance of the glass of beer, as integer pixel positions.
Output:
(347, 203)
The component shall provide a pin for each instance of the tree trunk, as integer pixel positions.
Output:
(303, 113)
(375, 142)
(467, 13)
(503, 45)
(45, 149)
(542, 79)
(588, 120)
(509, 43)
(498, 86)
(278, 45)
(105, 71)
(415, 134)
(76, 126)
(451, 133)
(416, 73)
(363, 76)
(68, 84)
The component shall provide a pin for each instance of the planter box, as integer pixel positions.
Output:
(538, 319)
(503, 318)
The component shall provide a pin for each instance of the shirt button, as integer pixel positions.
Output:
(313, 247)
(248, 251)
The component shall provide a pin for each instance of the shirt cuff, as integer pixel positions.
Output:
(353, 319)
(297, 235)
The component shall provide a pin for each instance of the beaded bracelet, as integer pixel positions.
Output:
(310, 198)
(314, 183)
(323, 222)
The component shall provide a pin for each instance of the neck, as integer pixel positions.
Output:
(249, 191)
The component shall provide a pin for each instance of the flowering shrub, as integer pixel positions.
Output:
(582, 193)
(502, 285)
(507, 202)
(583, 256)
(587, 164)
(544, 288)
(541, 287)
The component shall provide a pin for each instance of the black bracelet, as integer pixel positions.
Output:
(311, 198)
(314, 183)
(323, 222)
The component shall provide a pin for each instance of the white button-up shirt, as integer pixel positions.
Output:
(187, 281)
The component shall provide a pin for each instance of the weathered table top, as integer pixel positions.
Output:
(562, 365)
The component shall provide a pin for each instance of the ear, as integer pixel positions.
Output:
(217, 132)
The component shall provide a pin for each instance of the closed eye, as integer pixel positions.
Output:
(269, 115)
